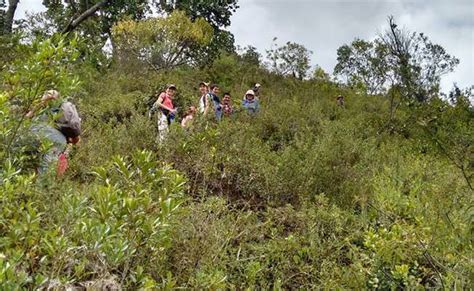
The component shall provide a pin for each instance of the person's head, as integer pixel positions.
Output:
(340, 100)
(171, 90)
(215, 89)
(250, 95)
(50, 95)
(203, 87)
(257, 86)
(191, 110)
(226, 97)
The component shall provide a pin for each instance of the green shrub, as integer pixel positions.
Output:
(116, 226)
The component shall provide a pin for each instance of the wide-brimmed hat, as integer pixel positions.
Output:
(250, 92)
(205, 84)
(258, 85)
(171, 86)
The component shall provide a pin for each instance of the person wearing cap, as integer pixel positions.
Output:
(340, 100)
(203, 100)
(256, 90)
(251, 104)
(165, 105)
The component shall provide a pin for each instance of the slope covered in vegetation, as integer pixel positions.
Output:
(303, 195)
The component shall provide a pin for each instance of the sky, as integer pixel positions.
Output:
(323, 26)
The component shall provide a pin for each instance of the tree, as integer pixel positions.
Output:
(7, 16)
(250, 55)
(217, 13)
(291, 59)
(77, 20)
(417, 63)
(407, 60)
(449, 129)
(320, 75)
(90, 19)
(101, 14)
(364, 61)
(3, 6)
(161, 42)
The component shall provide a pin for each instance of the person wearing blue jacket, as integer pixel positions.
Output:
(251, 104)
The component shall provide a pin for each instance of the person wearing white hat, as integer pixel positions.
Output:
(256, 91)
(251, 104)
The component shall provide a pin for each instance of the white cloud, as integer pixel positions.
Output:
(28, 6)
(323, 26)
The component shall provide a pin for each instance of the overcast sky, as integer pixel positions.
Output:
(324, 25)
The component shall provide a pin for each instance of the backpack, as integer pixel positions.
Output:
(69, 123)
(215, 100)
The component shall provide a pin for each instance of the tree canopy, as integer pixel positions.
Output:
(217, 13)
(162, 43)
(397, 57)
(290, 59)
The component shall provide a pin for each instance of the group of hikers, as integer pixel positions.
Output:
(65, 131)
(209, 103)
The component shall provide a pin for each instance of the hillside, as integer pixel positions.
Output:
(307, 193)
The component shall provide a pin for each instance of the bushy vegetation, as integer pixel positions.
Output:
(306, 194)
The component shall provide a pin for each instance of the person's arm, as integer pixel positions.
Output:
(35, 109)
(30, 114)
(185, 120)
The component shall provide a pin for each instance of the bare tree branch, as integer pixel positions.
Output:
(75, 22)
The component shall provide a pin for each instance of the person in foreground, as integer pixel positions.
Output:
(62, 135)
